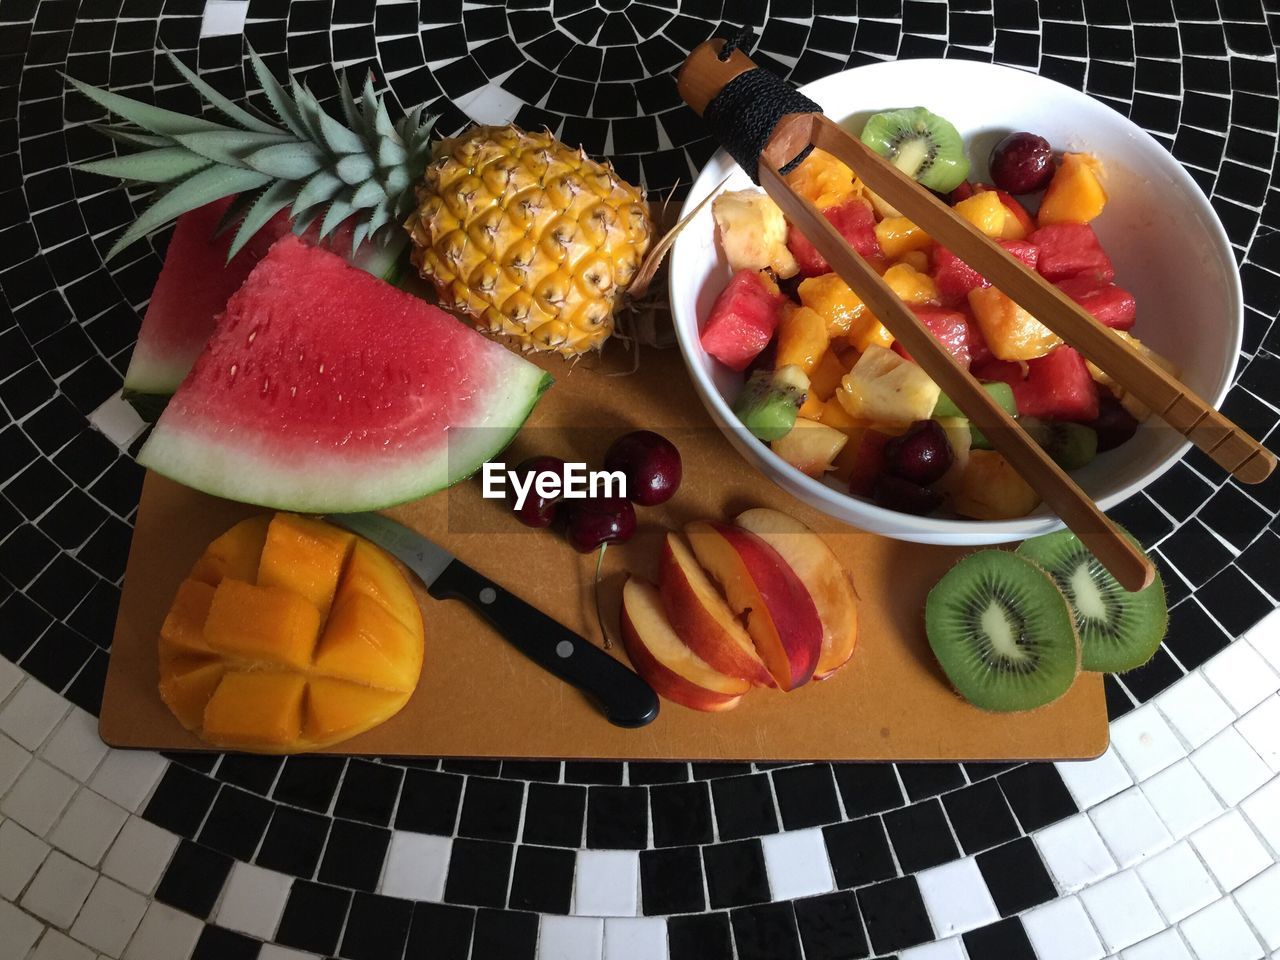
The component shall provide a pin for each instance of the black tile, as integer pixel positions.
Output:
(545, 770)
(681, 814)
(294, 841)
(377, 927)
(1195, 552)
(542, 880)
(181, 800)
(86, 457)
(639, 772)
(744, 807)
(1037, 795)
(313, 917)
(86, 689)
(218, 943)
(831, 927)
(429, 802)
(353, 856)
(806, 795)
(671, 881)
(440, 932)
(1193, 635)
(980, 816)
(700, 937)
(923, 780)
(608, 772)
(236, 823)
(859, 852)
(193, 879)
(1153, 677)
(1233, 600)
(735, 873)
(1259, 562)
(478, 873)
(491, 809)
(62, 585)
(1118, 700)
(504, 935)
(254, 772)
(119, 487)
(894, 914)
(554, 814)
(35, 489)
(368, 792)
(309, 782)
(24, 553)
(1005, 940)
(617, 818)
(921, 837)
(867, 787)
(1016, 876)
(766, 932)
(57, 656)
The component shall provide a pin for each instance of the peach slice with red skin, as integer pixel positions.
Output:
(781, 616)
(665, 661)
(822, 574)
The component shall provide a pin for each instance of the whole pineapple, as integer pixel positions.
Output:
(530, 238)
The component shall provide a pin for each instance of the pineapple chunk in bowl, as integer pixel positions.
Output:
(1162, 235)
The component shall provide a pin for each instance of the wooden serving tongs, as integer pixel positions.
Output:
(769, 127)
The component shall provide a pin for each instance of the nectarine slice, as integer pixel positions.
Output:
(262, 623)
(305, 556)
(234, 554)
(665, 661)
(818, 569)
(702, 619)
(781, 616)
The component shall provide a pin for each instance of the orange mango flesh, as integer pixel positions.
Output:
(316, 639)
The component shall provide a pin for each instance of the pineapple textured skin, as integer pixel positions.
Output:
(530, 238)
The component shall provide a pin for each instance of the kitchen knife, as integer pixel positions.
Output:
(624, 698)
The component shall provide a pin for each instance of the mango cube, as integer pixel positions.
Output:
(824, 379)
(335, 707)
(986, 212)
(1010, 331)
(371, 572)
(305, 556)
(1075, 194)
(823, 180)
(183, 628)
(833, 300)
(910, 284)
(363, 641)
(262, 623)
(802, 338)
(234, 554)
(898, 235)
(990, 489)
(186, 686)
(259, 709)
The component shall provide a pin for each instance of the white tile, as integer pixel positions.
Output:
(1231, 850)
(75, 747)
(797, 864)
(1092, 781)
(1231, 767)
(1060, 930)
(1260, 728)
(18, 931)
(1145, 742)
(38, 797)
(140, 854)
(223, 18)
(570, 938)
(634, 938)
(1258, 899)
(13, 759)
(58, 890)
(1263, 811)
(1265, 638)
(110, 916)
(55, 945)
(1194, 709)
(1219, 932)
(1242, 676)
(1163, 946)
(1130, 827)
(956, 896)
(1121, 910)
(417, 864)
(490, 104)
(10, 676)
(1178, 882)
(21, 854)
(607, 883)
(253, 900)
(1074, 853)
(1181, 798)
(30, 715)
(951, 949)
(127, 776)
(273, 951)
(88, 827)
(164, 934)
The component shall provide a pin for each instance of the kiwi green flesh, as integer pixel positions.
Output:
(768, 404)
(921, 144)
(1002, 632)
(1118, 630)
(1000, 392)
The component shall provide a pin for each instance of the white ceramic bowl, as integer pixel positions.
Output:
(1166, 242)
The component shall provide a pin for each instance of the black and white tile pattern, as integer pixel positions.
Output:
(1165, 847)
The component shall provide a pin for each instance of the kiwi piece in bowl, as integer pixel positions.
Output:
(921, 144)
(1002, 632)
(1118, 630)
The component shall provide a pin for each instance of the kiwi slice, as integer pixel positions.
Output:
(1071, 445)
(1002, 632)
(1118, 630)
(921, 144)
(1000, 392)
(770, 400)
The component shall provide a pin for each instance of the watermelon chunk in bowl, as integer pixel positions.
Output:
(326, 390)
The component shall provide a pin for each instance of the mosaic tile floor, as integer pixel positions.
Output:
(1166, 847)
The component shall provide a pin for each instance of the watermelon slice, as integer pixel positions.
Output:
(1071, 250)
(324, 389)
(742, 319)
(1058, 386)
(954, 278)
(951, 327)
(857, 224)
(1109, 304)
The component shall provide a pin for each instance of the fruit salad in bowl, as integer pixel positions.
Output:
(814, 390)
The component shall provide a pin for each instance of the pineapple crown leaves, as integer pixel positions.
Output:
(317, 166)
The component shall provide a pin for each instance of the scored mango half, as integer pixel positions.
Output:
(289, 635)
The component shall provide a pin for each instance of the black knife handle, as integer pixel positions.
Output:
(625, 699)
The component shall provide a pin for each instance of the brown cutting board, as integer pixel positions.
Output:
(479, 697)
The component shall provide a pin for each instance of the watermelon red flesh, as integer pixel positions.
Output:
(954, 278)
(324, 389)
(1071, 250)
(855, 221)
(742, 320)
(950, 327)
(1108, 303)
(1057, 386)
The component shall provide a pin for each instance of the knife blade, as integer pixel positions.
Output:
(622, 696)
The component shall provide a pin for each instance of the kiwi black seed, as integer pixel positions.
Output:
(1002, 632)
(1118, 630)
(921, 144)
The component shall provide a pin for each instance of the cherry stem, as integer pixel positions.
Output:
(608, 644)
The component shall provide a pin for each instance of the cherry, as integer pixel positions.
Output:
(597, 521)
(1114, 424)
(905, 496)
(921, 455)
(536, 511)
(651, 464)
(1022, 163)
